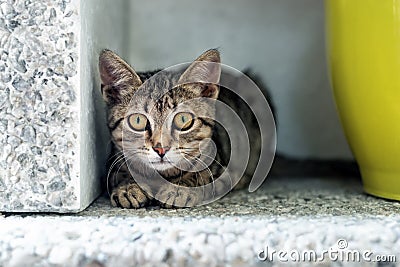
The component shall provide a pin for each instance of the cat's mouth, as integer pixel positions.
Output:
(161, 162)
(161, 165)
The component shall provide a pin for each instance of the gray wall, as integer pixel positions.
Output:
(283, 41)
(101, 27)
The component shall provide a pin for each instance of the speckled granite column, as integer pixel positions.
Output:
(49, 160)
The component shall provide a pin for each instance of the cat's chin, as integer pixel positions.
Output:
(161, 165)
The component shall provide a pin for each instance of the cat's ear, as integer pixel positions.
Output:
(116, 76)
(206, 70)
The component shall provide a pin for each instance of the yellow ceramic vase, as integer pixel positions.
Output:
(363, 38)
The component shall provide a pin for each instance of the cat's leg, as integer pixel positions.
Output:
(169, 196)
(129, 195)
(126, 193)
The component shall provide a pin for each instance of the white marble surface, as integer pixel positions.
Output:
(212, 241)
(39, 111)
(291, 214)
(53, 137)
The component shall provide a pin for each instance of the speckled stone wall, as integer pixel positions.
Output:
(44, 162)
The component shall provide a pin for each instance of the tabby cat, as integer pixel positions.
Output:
(164, 137)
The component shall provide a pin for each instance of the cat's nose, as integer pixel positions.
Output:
(161, 151)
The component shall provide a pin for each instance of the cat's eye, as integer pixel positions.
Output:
(137, 122)
(183, 121)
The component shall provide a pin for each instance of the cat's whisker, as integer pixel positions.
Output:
(133, 152)
(197, 173)
(223, 167)
(115, 162)
(198, 160)
(123, 152)
(119, 153)
(119, 159)
(119, 168)
(186, 148)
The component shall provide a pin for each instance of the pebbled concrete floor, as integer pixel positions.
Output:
(322, 210)
(279, 196)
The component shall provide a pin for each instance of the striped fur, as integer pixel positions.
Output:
(127, 92)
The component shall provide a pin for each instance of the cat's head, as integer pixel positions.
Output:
(161, 121)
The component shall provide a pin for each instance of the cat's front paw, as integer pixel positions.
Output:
(171, 197)
(129, 196)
